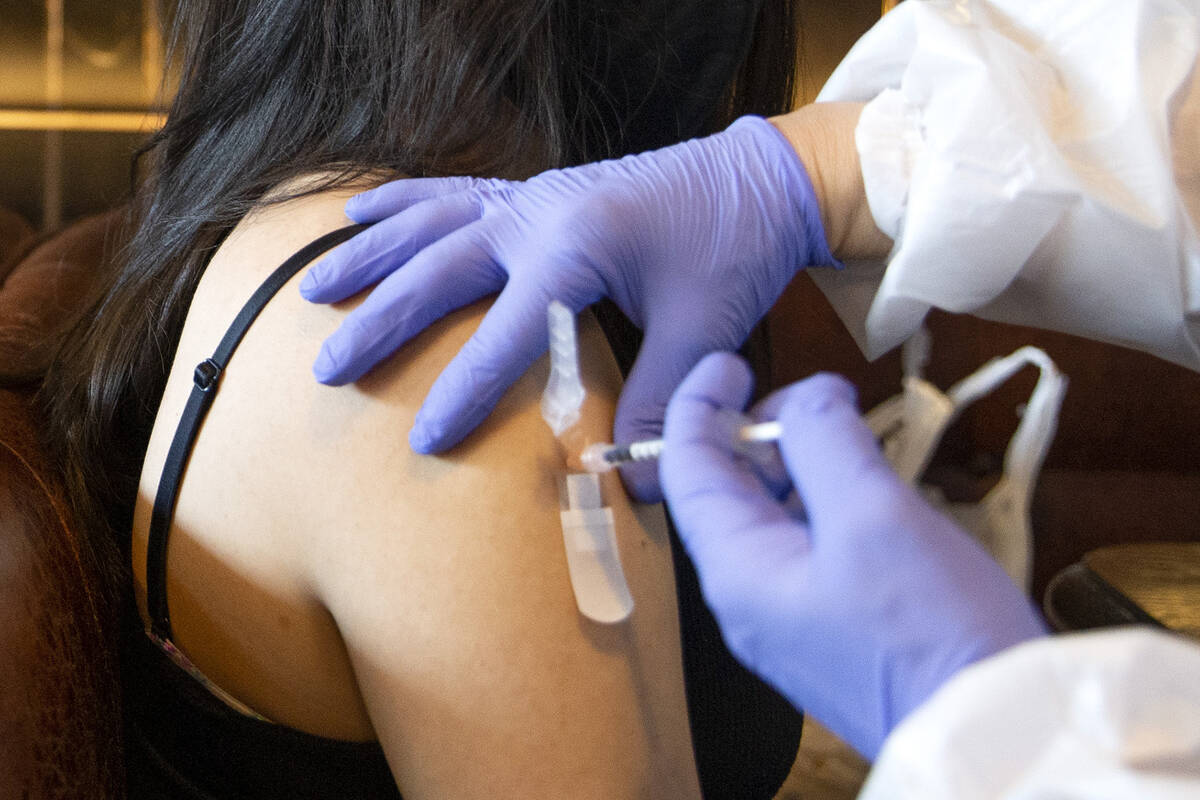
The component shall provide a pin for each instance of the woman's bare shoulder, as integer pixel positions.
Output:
(444, 577)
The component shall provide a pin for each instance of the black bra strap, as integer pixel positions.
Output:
(207, 377)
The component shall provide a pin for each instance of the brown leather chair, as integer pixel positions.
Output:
(59, 698)
(16, 239)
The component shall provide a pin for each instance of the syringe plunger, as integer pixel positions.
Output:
(603, 456)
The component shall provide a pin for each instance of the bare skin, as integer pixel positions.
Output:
(336, 582)
(823, 137)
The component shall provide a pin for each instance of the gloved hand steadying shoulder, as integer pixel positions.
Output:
(693, 242)
(848, 592)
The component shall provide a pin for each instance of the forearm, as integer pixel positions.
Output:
(822, 135)
(1019, 183)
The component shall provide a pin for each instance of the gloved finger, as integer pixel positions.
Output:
(509, 339)
(385, 247)
(446, 275)
(767, 459)
(664, 359)
(833, 458)
(726, 517)
(396, 196)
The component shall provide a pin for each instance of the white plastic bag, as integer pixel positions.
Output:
(911, 425)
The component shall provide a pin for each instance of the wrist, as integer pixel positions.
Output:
(822, 136)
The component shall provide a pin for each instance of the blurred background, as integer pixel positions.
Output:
(79, 88)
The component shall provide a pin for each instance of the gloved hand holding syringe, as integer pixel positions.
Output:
(603, 456)
(564, 395)
(597, 578)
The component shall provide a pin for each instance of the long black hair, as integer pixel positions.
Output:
(272, 89)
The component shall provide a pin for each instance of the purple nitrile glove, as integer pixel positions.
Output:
(853, 596)
(694, 242)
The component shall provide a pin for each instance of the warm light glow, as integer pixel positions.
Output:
(19, 119)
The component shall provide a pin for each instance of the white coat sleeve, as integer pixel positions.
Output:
(1093, 715)
(1036, 163)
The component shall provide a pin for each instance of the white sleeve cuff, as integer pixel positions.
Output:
(889, 141)
(1034, 163)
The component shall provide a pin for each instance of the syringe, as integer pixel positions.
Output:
(603, 456)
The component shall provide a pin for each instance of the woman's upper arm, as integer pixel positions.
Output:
(447, 577)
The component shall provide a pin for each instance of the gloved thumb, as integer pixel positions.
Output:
(663, 361)
(831, 454)
(733, 528)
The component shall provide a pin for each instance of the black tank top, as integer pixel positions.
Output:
(183, 742)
